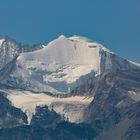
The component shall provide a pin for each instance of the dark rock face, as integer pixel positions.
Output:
(8, 52)
(112, 104)
(44, 115)
(9, 115)
(50, 127)
(133, 133)
(63, 131)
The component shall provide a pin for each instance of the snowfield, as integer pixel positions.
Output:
(59, 66)
(1, 41)
(71, 107)
(63, 65)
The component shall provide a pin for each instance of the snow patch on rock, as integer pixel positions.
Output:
(134, 95)
(1, 41)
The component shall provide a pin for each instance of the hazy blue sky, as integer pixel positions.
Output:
(114, 23)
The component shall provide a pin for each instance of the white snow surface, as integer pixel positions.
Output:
(135, 95)
(60, 65)
(1, 41)
(134, 63)
(70, 107)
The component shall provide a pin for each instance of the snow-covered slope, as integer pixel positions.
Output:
(64, 64)
(71, 108)
(61, 66)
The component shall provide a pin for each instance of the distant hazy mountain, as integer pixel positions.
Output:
(71, 89)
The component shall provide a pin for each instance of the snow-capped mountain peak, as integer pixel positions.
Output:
(64, 64)
(61, 63)
(75, 77)
(62, 36)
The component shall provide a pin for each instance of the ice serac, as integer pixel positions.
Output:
(62, 65)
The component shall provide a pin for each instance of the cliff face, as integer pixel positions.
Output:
(115, 109)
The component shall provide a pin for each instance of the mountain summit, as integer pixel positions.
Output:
(63, 65)
(73, 83)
